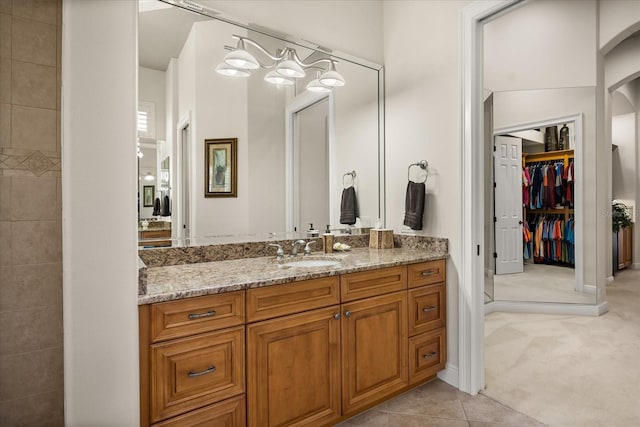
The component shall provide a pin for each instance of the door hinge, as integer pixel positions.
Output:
(495, 219)
(494, 185)
(495, 255)
(478, 250)
(494, 148)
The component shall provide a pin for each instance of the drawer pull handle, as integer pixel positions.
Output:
(209, 313)
(429, 272)
(429, 309)
(209, 370)
(430, 355)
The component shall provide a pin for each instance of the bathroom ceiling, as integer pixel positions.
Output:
(162, 33)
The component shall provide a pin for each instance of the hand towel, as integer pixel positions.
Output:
(166, 207)
(348, 206)
(156, 207)
(414, 205)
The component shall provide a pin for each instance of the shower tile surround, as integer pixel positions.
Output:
(31, 336)
(174, 273)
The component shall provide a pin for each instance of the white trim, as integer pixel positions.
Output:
(299, 103)
(547, 308)
(449, 375)
(635, 266)
(471, 292)
(588, 289)
(610, 280)
(185, 121)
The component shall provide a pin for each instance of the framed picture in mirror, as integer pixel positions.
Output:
(148, 191)
(220, 167)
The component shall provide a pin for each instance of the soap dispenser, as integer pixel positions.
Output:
(312, 232)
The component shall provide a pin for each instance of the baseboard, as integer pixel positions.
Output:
(610, 280)
(589, 289)
(450, 375)
(547, 308)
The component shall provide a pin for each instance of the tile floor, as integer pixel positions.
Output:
(438, 404)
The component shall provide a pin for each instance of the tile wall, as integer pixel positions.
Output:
(31, 358)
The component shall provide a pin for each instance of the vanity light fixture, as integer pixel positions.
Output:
(278, 79)
(285, 66)
(315, 85)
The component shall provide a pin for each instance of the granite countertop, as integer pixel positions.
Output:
(205, 278)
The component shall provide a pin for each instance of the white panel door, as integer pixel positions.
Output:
(508, 204)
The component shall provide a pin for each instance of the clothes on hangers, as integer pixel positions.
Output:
(547, 185)
(552, 240)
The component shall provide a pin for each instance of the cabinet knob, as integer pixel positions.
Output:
(347, 313)
(336, 316)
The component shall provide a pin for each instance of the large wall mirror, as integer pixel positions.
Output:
(296, 149)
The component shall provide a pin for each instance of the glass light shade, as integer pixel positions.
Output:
(227, 70)
(290, 68)
(148, 177)
(316, 86)
(332, 78)
(240, 58)
(277, 79)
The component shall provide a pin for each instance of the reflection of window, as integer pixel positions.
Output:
(146, 119)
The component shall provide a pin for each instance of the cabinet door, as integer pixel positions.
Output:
(228, 413)
(374, 349)
(293, 369)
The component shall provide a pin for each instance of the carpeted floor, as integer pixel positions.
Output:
(540, 283)
(570, 370)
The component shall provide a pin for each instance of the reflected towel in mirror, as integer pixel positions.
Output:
(156, 207)
(348, 206)
(414, 205)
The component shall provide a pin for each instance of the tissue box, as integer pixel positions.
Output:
(381, 239)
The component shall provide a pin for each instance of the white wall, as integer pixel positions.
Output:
(624, 173)
(422, 122)
(550, 44)
(151, 88)
(618, 20)
(622, 64)
(100, 268)
(351, 26)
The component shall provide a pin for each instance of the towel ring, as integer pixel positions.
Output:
(352, 174)
(422, 164)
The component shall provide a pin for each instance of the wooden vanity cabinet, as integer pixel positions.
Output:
(317, 351)
(427, 320)
(192, 361)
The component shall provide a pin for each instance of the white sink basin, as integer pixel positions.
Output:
(310, 263)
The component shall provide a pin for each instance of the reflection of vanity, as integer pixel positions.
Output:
(156, 235)
(252, 342)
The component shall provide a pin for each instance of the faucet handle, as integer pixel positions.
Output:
(307, 247)
(279, 252)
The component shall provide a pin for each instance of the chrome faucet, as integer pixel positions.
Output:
(279, 252)
(296, 245)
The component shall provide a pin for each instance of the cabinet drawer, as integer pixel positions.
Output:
(427, 308)
(366, 284)
(190, 373)
(426, 273)
(427, 355)
(192, 316)
(230, 413)
(273, 301)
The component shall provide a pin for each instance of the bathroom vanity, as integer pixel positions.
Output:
(254, 341)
